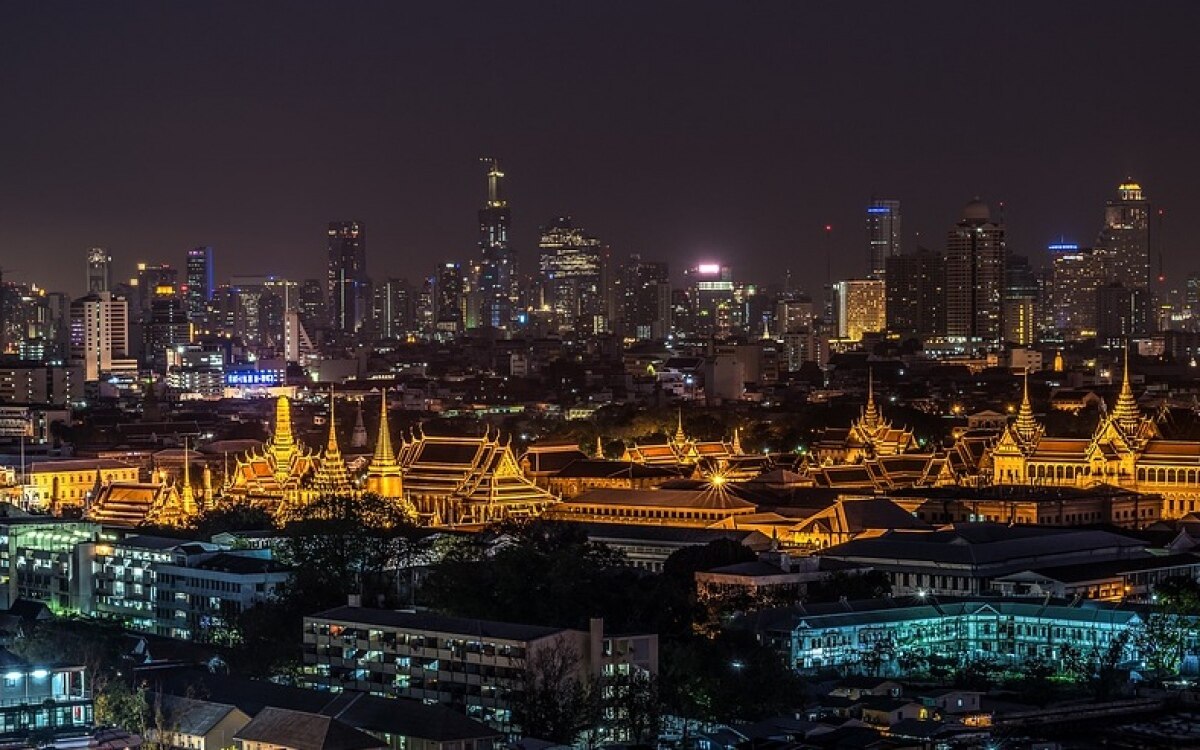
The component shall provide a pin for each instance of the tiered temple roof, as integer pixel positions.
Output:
(331, 477)
(275, 473)
(453, 480)
(870, 436)
(132, 504)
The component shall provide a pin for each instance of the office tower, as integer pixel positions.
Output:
(164, 328)
(794, 315)
(860, 306)
(152, 279)
(312, 303)
(220, 314)
(1125, 239)
(200, 282)
(497, 280)
(883, 235)
(425, 307)
(1077, 273)
(450, 291)
(573, 270)
(347, 280)
(975, 257)
(99, 270)
(392, 308)
(709, 289)
(646, 298)
(1121, 312)
(1022, 306)
(99, 334)
(916, 293)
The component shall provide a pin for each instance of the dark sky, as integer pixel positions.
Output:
(683, 131)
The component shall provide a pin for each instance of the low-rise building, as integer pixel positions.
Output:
(881, 634)
(177, 588)
(478, 667)
(69, 483)
(51, 698)
(964, 558)
(38, 560)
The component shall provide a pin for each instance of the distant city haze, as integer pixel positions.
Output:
(687, 132)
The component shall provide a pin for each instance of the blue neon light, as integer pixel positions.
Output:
(878, 210)
(1063, 247)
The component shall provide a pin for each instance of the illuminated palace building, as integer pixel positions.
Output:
(1127, 451)
(441, 480)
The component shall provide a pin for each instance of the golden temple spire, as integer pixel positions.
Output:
(680, 437)
(1126, 411)
(383, 475)
(1026, 426)
(187, 497)
(737, 442)
(282, 437)
(870, 418)
(384, 455)
(599, 447)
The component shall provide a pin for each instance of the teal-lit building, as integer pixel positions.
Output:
(52, 701)
(882, 635)
(39, 561)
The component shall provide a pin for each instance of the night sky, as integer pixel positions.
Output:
(684, 131)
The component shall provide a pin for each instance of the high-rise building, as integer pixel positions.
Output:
(574, 269)
(347, 301)
(152, 279)
(975, 259)
(1121, 312)
(795, 314)
(165, 327)
(1077, 273)
(710, 298)
(883, 235)
(99, 270)
(497, 280)
(1022, 301)
(860, 306)
(645, 305)
(393, 308)
(451, 295)
(1125, 239)
(916, 293)
(312, 303)
(200, 281)
(100, 335)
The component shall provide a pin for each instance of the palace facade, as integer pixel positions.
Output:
(1126, 451)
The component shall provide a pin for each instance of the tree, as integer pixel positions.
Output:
(556, 701)
(119, 705)
(1172, 623)
(871, 584)
(236, 516)
(635, 707)
(345, 544)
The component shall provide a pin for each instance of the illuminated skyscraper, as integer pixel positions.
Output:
(883, 235)
(916, 293)
(100, 335)
(646, 298)
(451, 298)
(497, 280)
(393, 308)
(574, 270)
(975, 259)
(99, 270)
(347, 280)
(860, 306)
(199, 281)
(1125, 239)
(1078, 272)
(709, 295)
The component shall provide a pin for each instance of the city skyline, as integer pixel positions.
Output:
(699, 159)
